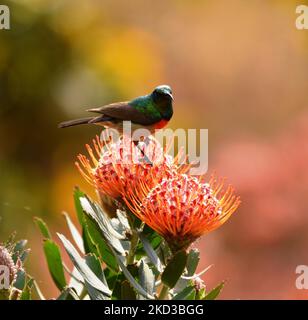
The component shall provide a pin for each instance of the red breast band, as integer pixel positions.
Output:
(161, 124)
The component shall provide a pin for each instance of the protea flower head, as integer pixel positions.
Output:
(182, 208)
(6, 260)
(116, 166)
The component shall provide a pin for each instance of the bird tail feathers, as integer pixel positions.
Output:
(89, 120)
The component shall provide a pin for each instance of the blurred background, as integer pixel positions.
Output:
(237, 68)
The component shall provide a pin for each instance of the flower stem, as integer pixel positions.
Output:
(134, 240)
(4, 294)
(133, 246)
(163, 293)
(83, 293)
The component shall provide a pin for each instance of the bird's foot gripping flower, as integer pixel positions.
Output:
(182, 208)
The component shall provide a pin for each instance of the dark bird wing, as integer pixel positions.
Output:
(125, 111)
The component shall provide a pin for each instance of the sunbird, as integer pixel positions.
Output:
(152, 111)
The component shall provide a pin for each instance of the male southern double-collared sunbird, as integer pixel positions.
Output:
(152, 111)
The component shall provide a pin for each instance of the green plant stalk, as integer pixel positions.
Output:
(83, 293)
(163, 293)
(133, 246)
(134, 240)
(4, 294)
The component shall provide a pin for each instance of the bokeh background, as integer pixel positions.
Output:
(237, 68)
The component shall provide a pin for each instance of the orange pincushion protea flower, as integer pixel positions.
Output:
(182, 208)
(118, 166)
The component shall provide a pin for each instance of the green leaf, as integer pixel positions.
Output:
(121, 215)
(74, 232)
(130, 278)
(120, 279)
(68, 294)
(24, 255)
(19, 251)
(127, 292)
(94, 293)
(92, 239)
(94, 210)
(43, 227)
(107, 232)
(164, 253)
(26, 293)
(192, 295)
(153, 238)
(77, 195)
(192, 262)
(76, 281)
(94, 264)
(213, 294)
(200, 294)
(100, 247)
(87, 244)
(147, 278)
(116, 292)
(184, 294)
(20, 246)
(54, 262)
(20, 281)
(174, 269)
(150, 252)
(90, 278)
(193, 259)
(118, 227)
(111, 277)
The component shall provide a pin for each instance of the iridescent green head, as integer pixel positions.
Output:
(162, 97)
(162, 92)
